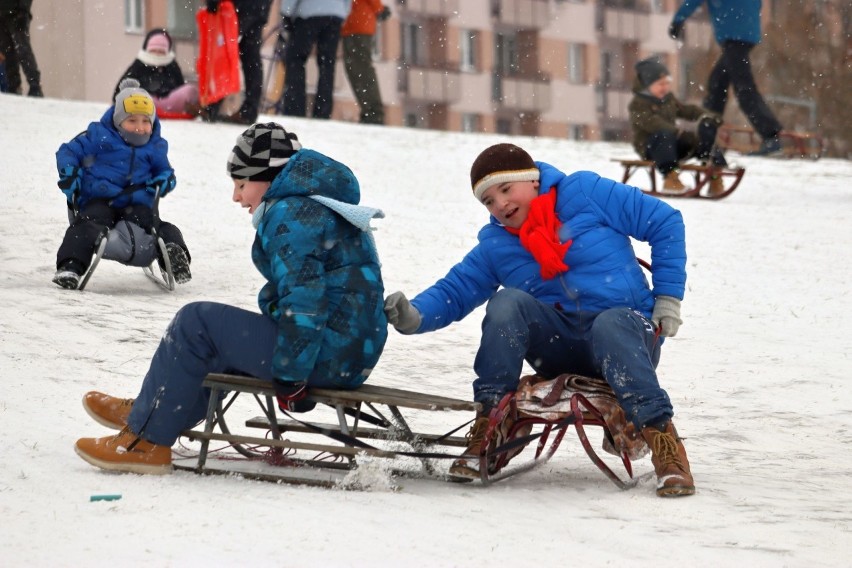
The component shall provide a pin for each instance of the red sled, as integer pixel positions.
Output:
(218, 64)
(174, 115)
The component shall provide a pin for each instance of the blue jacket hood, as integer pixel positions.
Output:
(309, 174)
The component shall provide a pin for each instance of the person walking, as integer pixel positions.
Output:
(15, 18)
(357, 33)
(252, 15)
(311, 23)
(736, 25)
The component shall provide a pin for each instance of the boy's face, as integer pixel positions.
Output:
(509, 202)
(250, 193)
(138, 123)
(661, 87)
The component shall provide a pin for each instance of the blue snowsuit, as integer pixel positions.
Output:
(321, 320)
(592, 319)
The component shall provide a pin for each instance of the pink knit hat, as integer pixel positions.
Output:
(158, 43)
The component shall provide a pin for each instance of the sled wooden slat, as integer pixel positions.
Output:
(287, 444)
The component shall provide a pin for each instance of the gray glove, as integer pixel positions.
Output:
(401, 314)
(666, 315)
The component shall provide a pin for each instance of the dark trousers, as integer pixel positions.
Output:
(324, 32)
(666, 148)
(94, 220)
(734, 69)
(252, 15)
(358, 62)
(15, 36)
(618, 344)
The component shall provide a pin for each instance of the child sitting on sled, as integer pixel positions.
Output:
(111, 172)
(564, 293)
(654, 111)
(321, 322)
(158, 72)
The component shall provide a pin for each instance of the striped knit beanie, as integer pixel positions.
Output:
(501, 163)
(261, 152)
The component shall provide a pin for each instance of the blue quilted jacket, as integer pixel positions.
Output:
(109, 164)
(600, 215)
(324, 285)
(737, 20)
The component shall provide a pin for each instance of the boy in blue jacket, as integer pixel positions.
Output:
(111, 172)
(566, 294)
(321, 321)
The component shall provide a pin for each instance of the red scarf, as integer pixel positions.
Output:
(538, 235)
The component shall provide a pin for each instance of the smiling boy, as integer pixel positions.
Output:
(564, 293)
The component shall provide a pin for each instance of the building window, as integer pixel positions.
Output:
(578, 131)
(504, 126)
(467, 44)
(411, 40)
(576, 63)
(506, 58)
(182, 19)
(411, 120)
(470, 122)
(134, 15)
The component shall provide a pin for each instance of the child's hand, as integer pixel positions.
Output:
(70, 180)
(165, 182)
(401, 314)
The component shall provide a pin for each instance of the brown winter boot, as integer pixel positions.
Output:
(107, 410)
(670, 463)
(672, 182)
(125, 452)
(466, 468)
(716, 186)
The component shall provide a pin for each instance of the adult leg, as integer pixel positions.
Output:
(203, 337)
(736, 54)
(358, 62)
(627, 351)
(251, 22)
(717, 87)
(90, 225)
(24, 50)
(296, 56)
(7, 46)
(328, 37)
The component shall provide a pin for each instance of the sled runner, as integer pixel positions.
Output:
(793, 144)
(375, 422)
(701, 178)
(131, 245)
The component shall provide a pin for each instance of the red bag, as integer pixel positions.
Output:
(218, 63)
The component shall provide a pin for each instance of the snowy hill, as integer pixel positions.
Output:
(759, 373)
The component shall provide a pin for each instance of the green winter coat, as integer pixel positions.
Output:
(649, 114)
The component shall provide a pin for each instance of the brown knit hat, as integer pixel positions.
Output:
(501, 163)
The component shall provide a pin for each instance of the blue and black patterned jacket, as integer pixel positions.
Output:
(324, 284)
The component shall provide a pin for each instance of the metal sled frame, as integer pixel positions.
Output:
(701, 174)
(493, 461)
(367, 413)
(793, 144)
(165, 280)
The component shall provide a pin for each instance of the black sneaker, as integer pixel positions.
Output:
(180, 263)
(68, 275)
(768, 147)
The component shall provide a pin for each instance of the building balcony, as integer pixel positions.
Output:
(431, 8)
(430, 84)
(521, 93)
(623, 23)
(521, 14)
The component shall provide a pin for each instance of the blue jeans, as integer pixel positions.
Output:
(618, 344)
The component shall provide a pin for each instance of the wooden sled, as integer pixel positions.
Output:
(700, 174)
(793, 144)
(592, 405)
(378, 414)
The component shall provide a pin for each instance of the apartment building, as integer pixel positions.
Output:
(558, 68)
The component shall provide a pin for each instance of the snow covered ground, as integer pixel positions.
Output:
(759, 374)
